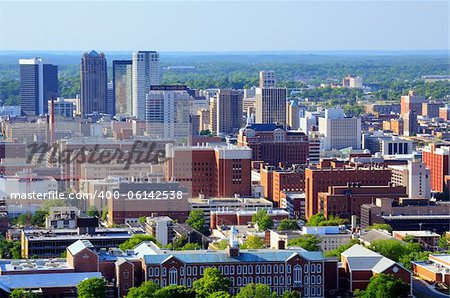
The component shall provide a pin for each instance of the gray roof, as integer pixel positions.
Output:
(52, 280)
(245, 256)
(373, 235)
(360, 258)
(78, 246)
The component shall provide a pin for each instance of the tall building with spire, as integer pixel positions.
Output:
(93, 83)
(145, 72)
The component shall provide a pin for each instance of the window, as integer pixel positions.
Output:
(202, 268)
(319, 291)
(263, 269)
(188, 283)
(319, 268)
(150, 271)
(281, 280)
(250, 269)
(239, 269)
(257, 279)
(319, 279)
(232, 281)
(306, 279)
(163, 283)
(305, 291)
(269, 269)
(263, 280)
(164, 271)
(258, 269)
(239, 282)
(275, 268)
(313, 291)
(281, 268)
(182, 271)
(231, 269)
(306, 268)
(250, 280)
(288, 268)
(297, 274)
(194, 269)
(313, 279)
(275, 280)
(189, 271)
(289, 281)
(244, 280)
(126, 274)
(226, 270)
(173, 276)
(221, 269)
(313, 268)
(156, 272)
(244, 270)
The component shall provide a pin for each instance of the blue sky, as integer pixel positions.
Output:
(224, 26)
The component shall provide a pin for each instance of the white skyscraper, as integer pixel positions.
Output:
(338, 131)
(168, 112)
(145, 74)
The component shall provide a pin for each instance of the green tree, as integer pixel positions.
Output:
(308, 242)
(288, 224)
(22, 220)
(385, 227)
(220, 294)
(136, 240)
(391, 248)
(197, 221)
(211, 282)
(319, 219)
(38, 218)
(253, 242)
(255, 291)
(293, 294)
(221, 245)
(21, 293)
(142, 219)
(10, 249)
(413, 256)
(92, 288)
(92, 211)
(190, 246)
(337, 252)
(262, 219)
(444, 242)
(174, 291)
(146, 289)
(384, 285)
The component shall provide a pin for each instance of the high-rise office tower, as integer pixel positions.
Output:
(267, 79)
(38, 84)
(293, 115)
(110, 100)
(122, 84)
(228, 111)
(167, 112)
(145, 72)
(270, 102)
(411, 102)
(93, 83)
(338, 131)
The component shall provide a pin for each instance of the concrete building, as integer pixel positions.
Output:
(167, 112)
(267, 79)
(62, 218)
(93, 83)
(62, 108)
(204, 119)
(415, 176)
(270, 105)
(444, 113)
(272, 144)
(293, 115)
(428, 240)
(395, 145)
(38, 84)
(383, 109)
(123, 90)
(431, 109)
(352, 82)
(145, 73)
(411, 102)
(27, 185)
(160, 227)
(226, 111)
(339, 131)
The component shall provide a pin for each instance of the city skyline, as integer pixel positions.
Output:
(267, 26)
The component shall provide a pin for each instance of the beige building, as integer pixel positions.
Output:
(204, 119)
(270, 105)
(226, 106)
(267, 79)
(292, 113)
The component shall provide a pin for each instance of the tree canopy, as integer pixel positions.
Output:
(135, 240)
(384, 285)
(255, 291)
(262, 219)
(308, 242)
(197, 221)
(253, 242)
(211, 282)
(92, 288)
(288, 224)
(320, 220)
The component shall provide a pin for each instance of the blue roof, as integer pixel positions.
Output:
(93, 54)
(245, 256)
(79, 245)
(52, 280)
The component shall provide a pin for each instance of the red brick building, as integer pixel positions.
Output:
(435, 269)
(240, 218)
(273, 144)
(359, 264)
(319, 179)
(278, 180)
(437, 160)
(220, 171)
(345, 201)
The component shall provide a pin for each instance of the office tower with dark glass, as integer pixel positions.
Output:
(38, 84)
(122, 84)
(145, 74)
(93, 83)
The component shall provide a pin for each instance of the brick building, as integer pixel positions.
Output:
(239, 218)
(411, 102)
(273, 144)
(436, 269)
(437, 160)
(221, 171)
(359, 264)
(319, 179)
(345, 201)
(277, 180)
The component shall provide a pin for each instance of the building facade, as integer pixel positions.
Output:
(122, 85)
(93, 83)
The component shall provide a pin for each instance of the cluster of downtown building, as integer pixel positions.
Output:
(266, 150)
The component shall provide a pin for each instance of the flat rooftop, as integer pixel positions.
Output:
(34, 265)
